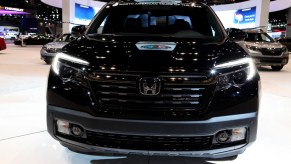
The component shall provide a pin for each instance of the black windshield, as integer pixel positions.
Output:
(164, 20)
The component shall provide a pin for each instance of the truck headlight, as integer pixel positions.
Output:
(67, 67)
(235, 73)
(44, 48)
(253, 48)
(56, 65)
(285, 51)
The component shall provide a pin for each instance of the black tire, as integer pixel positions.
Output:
(231, 158)
(48, 61)
(277, 68)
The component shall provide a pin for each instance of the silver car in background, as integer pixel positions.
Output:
(49, 51)
(265, 50)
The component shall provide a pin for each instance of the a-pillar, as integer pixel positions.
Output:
(288, 28)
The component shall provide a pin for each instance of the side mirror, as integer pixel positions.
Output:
(78, 29)
(236, 34)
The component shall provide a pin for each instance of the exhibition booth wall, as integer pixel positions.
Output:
(247, 14)
(243, 15)
(73, 12)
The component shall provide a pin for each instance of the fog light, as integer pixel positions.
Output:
(223, 136)
(77, 130)
(238, 134)
(63, 126)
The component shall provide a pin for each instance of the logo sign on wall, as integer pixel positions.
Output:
(11, 10)
(242, 18)
(245, 16)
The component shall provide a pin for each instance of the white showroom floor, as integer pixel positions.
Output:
(24, 139)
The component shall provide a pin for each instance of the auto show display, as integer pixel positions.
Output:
(34, 40)
(154, 78)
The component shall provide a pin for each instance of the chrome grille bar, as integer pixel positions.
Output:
(120, 93)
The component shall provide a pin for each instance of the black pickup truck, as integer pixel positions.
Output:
(154, 78)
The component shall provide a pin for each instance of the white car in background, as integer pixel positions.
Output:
(49, 51)
(11, 36)
(9, 32)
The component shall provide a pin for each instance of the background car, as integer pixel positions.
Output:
(2, 44)
(35, 40)
(265, 50)
(11, 36)
(49, 50)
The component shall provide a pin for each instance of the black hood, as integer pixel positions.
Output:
(119, 53)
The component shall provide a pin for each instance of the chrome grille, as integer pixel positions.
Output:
(271, 51)
(53, 50)
(180, 95)
(122, 90)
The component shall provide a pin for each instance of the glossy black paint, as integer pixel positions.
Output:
(115, 61)
(187, 59)
(121, 53)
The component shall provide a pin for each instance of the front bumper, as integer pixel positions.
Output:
(268, 61)
(265, 60)
(152, 128)
(44, 55)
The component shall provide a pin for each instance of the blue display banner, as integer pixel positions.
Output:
(241, 18)
(84, 14)
(245, 16)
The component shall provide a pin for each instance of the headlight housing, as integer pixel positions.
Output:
(285, 51)
(69, 68)
(253, 48)
(235, 73)
(44, 47)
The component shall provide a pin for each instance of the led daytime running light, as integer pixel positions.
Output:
(68, 58)
(249, 61)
